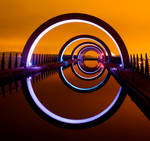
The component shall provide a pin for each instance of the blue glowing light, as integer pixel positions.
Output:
(66, 120)
(32, 93)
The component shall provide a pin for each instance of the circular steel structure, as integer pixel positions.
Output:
(61, 54)
(70, 18)
(26, 59)
(81, 54)
(100, 69)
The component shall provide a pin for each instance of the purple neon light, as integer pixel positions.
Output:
(61, 23)
(66, 120)
(29, 85)
(95, 48)
(88, 78)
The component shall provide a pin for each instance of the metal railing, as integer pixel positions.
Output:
(140, 64)
(10, 60)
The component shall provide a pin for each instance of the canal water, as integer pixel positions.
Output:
(18, 120)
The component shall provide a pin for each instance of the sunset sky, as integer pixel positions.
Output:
(18, 19)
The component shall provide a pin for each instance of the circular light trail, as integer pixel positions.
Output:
(48, 26)
(82, 52)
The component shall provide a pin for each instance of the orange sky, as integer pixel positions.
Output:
(18, 19)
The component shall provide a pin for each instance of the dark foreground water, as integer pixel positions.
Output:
(18, 121)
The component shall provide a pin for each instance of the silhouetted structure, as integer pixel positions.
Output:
(39, 59)
(21, 63)
(133, 62)
(142, 67)
(3, 61)
(10, 61)
(33, 59)
(137, 63)
(16, 60)
(17, 83)
(36, 60)
(146, 65)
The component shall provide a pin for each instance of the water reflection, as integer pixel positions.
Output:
(64, 107)
(15, 85)
(58, 98)
(11, 86)
(101, 76)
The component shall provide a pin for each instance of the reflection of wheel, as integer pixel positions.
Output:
(47, 115)
(26, 58)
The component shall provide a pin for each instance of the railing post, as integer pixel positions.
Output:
(3, 61)
(146, 65)
(16, 60)
(10, 61)
(46, 58)
(33, 59)
(39, 59)
(21, 63)
(42, 59)
(142, 67)
(51, 58)
(137, 63)
(36, 60)
(133, 62)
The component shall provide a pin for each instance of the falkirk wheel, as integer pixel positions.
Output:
(104, 56)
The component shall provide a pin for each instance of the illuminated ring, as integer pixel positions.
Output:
(89, 43)
(90, 37)
(39, 33)
(57, 120)
(61, 54)
(79, 89)
(91, 78)
(86, 78)
(84, 43)
(83, 51)
(70, 18)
